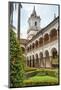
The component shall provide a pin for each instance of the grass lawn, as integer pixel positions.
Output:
(41, 80)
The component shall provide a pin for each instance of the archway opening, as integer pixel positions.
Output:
(33, 45)
(41, 55)
(46, 54)
(23, 50)
(53, 34)
(54, 57)
(54, 53)
(36, 43)
(46, 38)
(41, 60)
(41, 41)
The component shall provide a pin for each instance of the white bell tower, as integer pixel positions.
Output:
(34, 24)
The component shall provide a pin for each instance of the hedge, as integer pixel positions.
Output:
(42, 72)
(28, 69)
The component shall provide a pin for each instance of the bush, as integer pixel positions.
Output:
(41, 72)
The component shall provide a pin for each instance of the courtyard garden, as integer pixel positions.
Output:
(42, 76)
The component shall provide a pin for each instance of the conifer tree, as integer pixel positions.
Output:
(16, 69)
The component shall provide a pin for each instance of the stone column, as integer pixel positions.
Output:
(49, 38)
(32, 63)
(57, 34)
(51, 61)
(44, 62)
(39, 63)
(35, 62)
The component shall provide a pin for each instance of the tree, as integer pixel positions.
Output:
(16, 69)
(12, 7)
(19, 11)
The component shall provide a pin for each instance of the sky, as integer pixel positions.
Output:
(46, 13)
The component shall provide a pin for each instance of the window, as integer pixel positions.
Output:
(35, 23)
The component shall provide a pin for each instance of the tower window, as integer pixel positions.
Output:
(35, 23)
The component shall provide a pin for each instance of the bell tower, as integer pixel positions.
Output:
(34, 24)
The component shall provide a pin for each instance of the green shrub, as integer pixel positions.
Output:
(28, 69)
(49, 72)
(52, 73)
(30, 74)
(41, 72)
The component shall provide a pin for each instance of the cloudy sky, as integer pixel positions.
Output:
(46, 13)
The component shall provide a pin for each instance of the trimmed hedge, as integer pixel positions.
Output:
(41, 72)
(30, 74)
(28, 69)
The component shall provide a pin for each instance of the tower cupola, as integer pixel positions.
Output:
(34, 24)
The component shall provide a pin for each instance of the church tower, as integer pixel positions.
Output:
(34, 24)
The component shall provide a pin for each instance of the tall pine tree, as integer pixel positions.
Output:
(16, 69)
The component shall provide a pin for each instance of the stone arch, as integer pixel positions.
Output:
(41, 55)
(40, 41)
(46, 38)
(46, 53)
(54, 52)
(36, 56)
(36, 43)
(55, 58)
(33, 45)
(41, 59)
(27, 49)
(53, 34)
(23, 49)
(47, 59)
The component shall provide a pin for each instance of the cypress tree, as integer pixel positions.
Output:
(16, 69)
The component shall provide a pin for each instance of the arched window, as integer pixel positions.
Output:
(35, 23)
